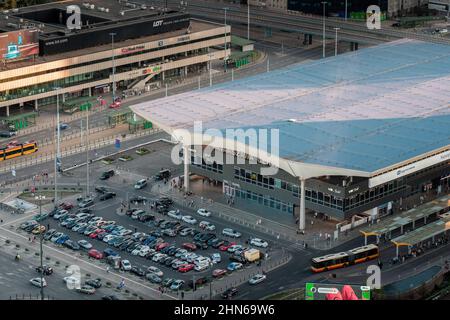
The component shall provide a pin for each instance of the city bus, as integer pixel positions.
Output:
(344, 259)
(16, 149)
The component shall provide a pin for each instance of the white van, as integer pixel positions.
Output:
(140, 184)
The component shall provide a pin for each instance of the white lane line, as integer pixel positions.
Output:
(93, 265)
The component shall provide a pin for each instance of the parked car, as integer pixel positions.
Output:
(86, 203)
(153, 278)
(189, 246)
(101, 189)
(85, 244)
(219, 273)
(175, 214)
(259, 243)
(216, 258)
(125, 265)
(72, 245)
(185, 232)
(207, 226)
(226, 245)
(204, 212)
(231, 233)
(137, 271)
(94, 253)
(189, 219)
(66, 205)
(177, 285)
(155, 270)
(7, 134)
(186, 267)
(233, 266)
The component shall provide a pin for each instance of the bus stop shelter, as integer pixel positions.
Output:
(423, 234)
(424, 212)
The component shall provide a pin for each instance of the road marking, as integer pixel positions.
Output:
(93, 265)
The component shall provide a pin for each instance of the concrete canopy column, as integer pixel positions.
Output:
(36, 107)
(7, 111)
(186, 155)
(302, 217)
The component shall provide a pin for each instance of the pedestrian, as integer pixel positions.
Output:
(107, 269)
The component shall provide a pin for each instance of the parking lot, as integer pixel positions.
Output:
(115, 209)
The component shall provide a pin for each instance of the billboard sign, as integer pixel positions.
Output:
(19, 44)
(327, 291)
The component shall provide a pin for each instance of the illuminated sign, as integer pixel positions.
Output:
(19, 44)
(133, 49)
(151, 70)
(411, 168)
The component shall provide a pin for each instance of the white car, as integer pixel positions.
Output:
(109, 237)
(204, 212)
(201, 267)
(155, 270)
(84, 244)
(259, 243)
(144, 251)
(207, 225)
(216, 258)
(189, 219)
(125, 265)
(140, 184)
(175, 214)
(257, 278)
(186, 232)
(37, 282)
(202, 260)
(136, 251)
(233, 248)
(231, 233)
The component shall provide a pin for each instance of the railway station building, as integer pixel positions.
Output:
(357, 133)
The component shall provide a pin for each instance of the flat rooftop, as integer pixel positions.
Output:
(196, 26)
(364, 110)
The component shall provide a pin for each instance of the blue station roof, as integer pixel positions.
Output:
(364, 110)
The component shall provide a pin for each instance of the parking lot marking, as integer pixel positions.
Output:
(93, 265)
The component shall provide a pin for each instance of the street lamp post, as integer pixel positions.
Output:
(87, 152)
(225, 39)
(112, 34)
(346, 8)
(336, 42)
(41, 251)
(323, 34)
(58, 150)
(248, 21)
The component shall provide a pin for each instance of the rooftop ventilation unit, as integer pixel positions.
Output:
(86, 5)
(106, 9)
(101, 9)
(92, 6)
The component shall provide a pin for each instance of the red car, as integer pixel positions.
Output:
(94, 234)
(161, 246)
(219, 273)
(189, 246)
(66, 205)
(186, 268)
(226, 245)
(93, 253)
(115, 105)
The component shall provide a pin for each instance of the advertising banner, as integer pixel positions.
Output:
(19, 44)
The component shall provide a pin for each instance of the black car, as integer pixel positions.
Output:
(211, 242)
(207, 237)
(72, 245)
(165, 200)
(218, 243)
(137, 271)
(138, 199)
(107, 195)
(198, 236)
(7, 134)
(238, 258)
(107, 174)
(146, 217)
(201, 245)
(169, 261)
(101, 189)
(52, 213)
(95, 283)
(47, 270)
(229, 293)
